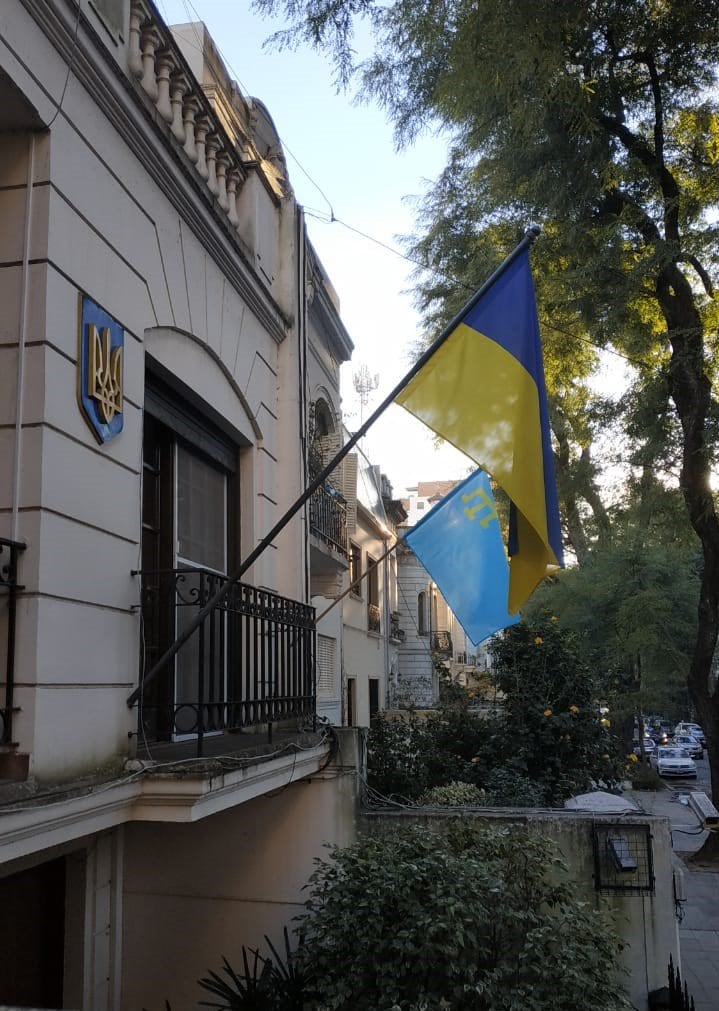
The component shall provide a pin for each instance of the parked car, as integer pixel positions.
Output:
(649, 746)
(691, 728)
(691, 744)
(673, 762)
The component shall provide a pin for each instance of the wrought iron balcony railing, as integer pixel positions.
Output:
(250, 663)
(442, 643)
(395, 632)
(328, 518)
(373, 618)
(9, 586)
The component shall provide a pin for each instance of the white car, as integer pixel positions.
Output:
(691, 744)
(693, 729)
(673, 762)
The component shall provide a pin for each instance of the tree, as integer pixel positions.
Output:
(601, 120)
(488, 919)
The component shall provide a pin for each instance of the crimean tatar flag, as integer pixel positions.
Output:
(459, 543)
(483, 391)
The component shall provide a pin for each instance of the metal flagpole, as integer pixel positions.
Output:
(529, 237)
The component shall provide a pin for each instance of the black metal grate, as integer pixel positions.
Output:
(623, 858)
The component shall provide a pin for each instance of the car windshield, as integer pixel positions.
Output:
(672, 753)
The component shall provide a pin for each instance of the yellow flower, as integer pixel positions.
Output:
(606, 757)
(574, 709)
(554, 617)
(605, 722)
(633, 758)
(475, 759)
(547, 712)
(538, 640)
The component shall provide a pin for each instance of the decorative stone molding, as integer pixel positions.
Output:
(222, 161)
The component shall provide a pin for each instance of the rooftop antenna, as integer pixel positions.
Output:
(364, 384)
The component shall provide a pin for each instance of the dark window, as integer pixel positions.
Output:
(351, 702)
(373, 697)
(355, 568)
(373, 610)
(32, 936)
(421, 613)
(188, 523)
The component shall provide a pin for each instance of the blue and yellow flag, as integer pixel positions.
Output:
(460, 544)
(483, 391)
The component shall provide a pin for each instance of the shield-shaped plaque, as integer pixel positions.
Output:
(100, 364)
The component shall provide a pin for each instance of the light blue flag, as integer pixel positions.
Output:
(460, 544)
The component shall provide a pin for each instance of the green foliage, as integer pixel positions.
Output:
(454, 794)
(474, 920)
(546, 744)
(632, 609)
(278, 983)
(552, 710)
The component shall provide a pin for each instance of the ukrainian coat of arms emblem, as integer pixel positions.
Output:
(100, 365)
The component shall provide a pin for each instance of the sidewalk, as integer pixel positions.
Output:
(699, 929)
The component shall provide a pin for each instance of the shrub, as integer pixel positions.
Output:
(467, 920)
(453, 795)
(508, 788)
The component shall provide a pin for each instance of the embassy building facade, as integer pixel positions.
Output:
(165, 330)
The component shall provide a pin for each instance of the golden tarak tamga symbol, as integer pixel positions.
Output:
(485, 502)
(104, 373)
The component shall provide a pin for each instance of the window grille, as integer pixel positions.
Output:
(623, 858)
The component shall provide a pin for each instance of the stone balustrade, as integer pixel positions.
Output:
(154, 60)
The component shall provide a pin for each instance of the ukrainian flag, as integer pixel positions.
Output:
(459, 543)
(483, 391)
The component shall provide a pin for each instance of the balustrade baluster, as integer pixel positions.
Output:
(150, 43)
(190, 110)
(202, 126)
(138, 16)
(164, 65)
(233, 180)
(211, 147)
(179, 86)
(221, 162)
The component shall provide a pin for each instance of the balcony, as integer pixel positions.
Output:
(373, 618)
(442, 644)
(328, 519)
(395, 632)
(249, 665)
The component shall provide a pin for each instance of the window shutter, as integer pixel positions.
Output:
(326, 662)
(349, 490)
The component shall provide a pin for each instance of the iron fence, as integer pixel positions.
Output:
(328, 518)
(251, 661)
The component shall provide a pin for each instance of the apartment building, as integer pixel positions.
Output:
(167, 335)
(433, 637)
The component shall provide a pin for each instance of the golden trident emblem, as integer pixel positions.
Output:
(104, 373)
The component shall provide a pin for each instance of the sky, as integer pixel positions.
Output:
(342, 162)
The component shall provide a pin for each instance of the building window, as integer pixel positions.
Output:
(188, 541)
(422, 613)
(351, 701)
(355, 569)
(373, 611)
(373, 697)
(326, 665)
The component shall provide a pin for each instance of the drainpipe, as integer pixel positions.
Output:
(386, 618)
(20, 391)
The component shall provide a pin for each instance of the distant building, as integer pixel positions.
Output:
(432, 634)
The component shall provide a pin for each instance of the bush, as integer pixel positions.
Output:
(508, 788)
(466, 920)
(453, 795)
